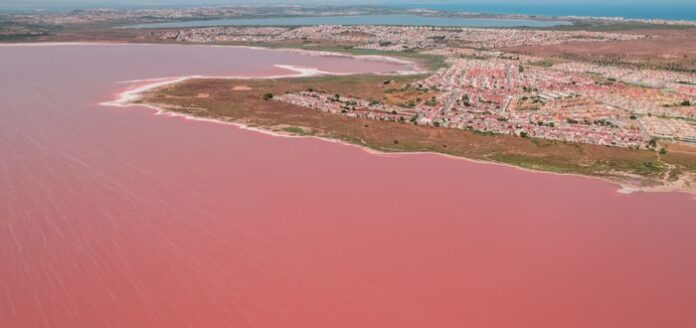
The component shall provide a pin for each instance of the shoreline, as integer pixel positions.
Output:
(126, 99)
(622, 188)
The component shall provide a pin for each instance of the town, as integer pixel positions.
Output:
(518, 97)
(154, 14)
(388, 38)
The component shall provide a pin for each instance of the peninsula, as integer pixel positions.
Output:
(599, 96)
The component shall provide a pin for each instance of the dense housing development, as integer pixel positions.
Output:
(389, 38)
(517, 97)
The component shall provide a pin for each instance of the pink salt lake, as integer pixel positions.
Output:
(117, 217)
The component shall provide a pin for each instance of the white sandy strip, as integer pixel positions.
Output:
(413, 67)
(127, 97)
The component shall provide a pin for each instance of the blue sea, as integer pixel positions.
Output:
(686, 10)
(683, 11)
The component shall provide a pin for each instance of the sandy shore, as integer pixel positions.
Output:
(127, 97)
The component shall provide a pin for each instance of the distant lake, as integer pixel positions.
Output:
(674, 11)
(360, 20)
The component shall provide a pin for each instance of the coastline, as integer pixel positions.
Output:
(127, 99)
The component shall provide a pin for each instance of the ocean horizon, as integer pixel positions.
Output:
(671, 11)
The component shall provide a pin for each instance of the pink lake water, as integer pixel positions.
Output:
(117, 217)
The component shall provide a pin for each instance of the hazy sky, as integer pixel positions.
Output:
(53, 4)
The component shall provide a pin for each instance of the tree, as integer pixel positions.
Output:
(267, 96)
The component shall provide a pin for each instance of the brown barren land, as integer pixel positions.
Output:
(664, 49)
(246, 105)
